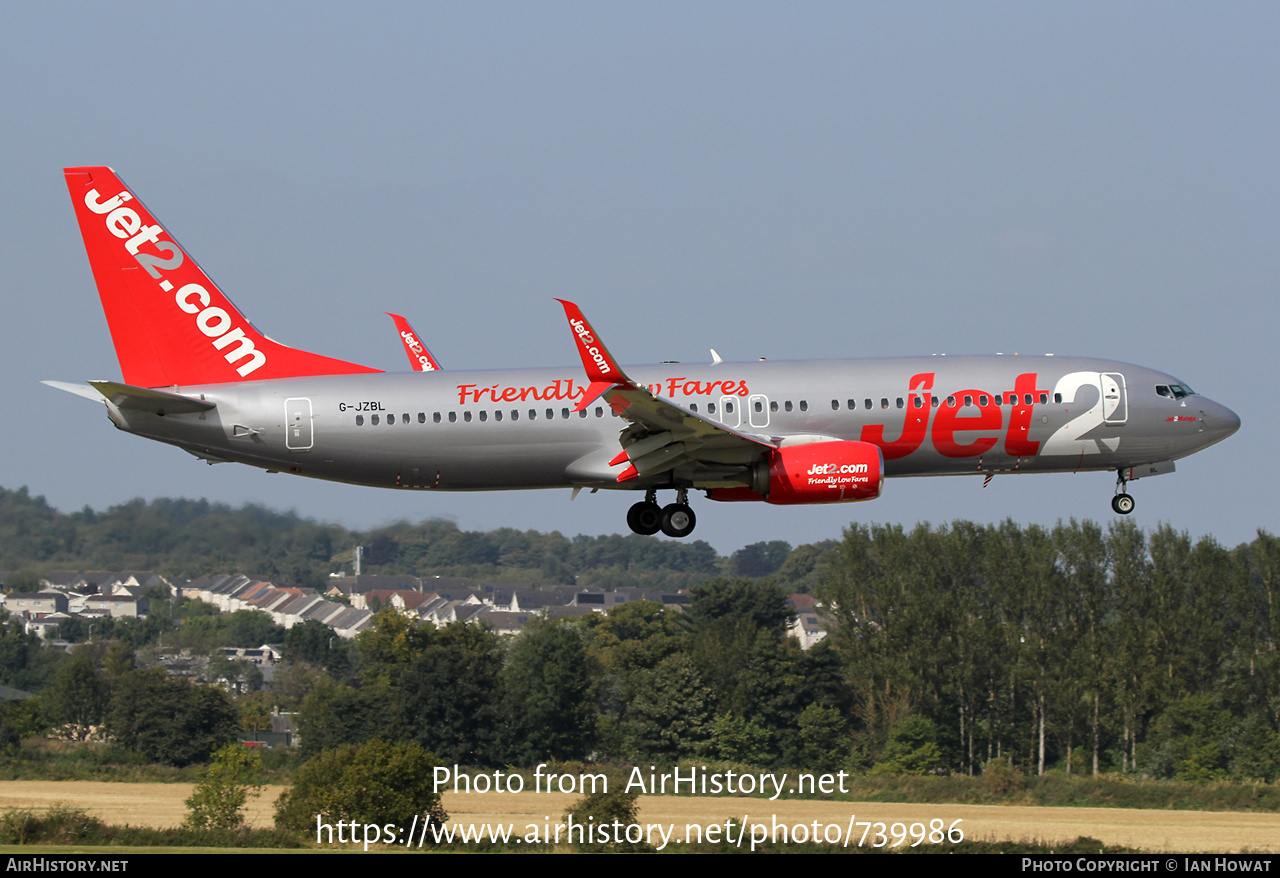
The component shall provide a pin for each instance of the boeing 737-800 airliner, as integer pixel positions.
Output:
(196, 374)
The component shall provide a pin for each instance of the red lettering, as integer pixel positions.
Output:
(1017, 442)
(914, 425)
(947, 422)
(463, 391)
(509, 394)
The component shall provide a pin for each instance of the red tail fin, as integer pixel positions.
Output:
(170, 323)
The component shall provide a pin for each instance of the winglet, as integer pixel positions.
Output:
(602, 369)
(419, 357)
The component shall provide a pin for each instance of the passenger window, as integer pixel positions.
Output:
(453, 417)
(466, 416)
(422, 417)
(515, 414)
(851, 404)
(866, 403)
(359, 420)
(405, 418)
(804, 405)
(497, 416)
(968, 400)
(391, 419)
(899, 402)
(787, 405)
(373, 419)
(484, 415)
(983, 400)
(693, 407)
(1044, 397)
(599, 412)
(773, 406)
(435, 417)
(951, 402)
(835, 405)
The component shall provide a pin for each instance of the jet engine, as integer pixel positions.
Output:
(819, 472)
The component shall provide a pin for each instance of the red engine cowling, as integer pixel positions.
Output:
(821, 472)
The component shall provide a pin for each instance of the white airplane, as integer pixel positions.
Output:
(196, 374)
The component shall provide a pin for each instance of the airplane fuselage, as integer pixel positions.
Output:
(517, 429)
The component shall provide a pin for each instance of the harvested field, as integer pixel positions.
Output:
(160, 805)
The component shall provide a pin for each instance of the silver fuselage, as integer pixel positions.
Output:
(516, 429)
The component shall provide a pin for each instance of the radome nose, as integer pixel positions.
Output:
(1219, 421)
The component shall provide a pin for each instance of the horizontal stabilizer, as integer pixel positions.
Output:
(78, 389)
(159, 402)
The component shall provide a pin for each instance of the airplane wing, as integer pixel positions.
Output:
(662, 435)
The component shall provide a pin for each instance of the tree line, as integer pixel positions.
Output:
(190, 538)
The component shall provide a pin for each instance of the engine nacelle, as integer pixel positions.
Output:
(820, 472)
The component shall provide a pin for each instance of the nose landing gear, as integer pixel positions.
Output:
(1122, 503)
(675, 520)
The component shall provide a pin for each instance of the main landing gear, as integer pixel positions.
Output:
(675, 520)
(1122, 502)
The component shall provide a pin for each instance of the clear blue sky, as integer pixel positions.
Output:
(781, 180)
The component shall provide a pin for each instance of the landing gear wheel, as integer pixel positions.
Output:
(678, 520)
(645, 518)
(1122, 503)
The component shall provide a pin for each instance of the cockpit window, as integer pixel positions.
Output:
(1174, 391)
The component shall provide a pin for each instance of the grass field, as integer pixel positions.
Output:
(162, 805)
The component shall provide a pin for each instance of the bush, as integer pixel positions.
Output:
(225, 786)
(605, 818)
(912, 748)
(377, 783)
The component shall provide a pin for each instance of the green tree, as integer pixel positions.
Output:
(669, 716)
(170, 720)
(377, 782)
(546, 685)
(225, 786)
(912, 748)
(742, 740)
(79, 697)
(334, 714)
(451, 695)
